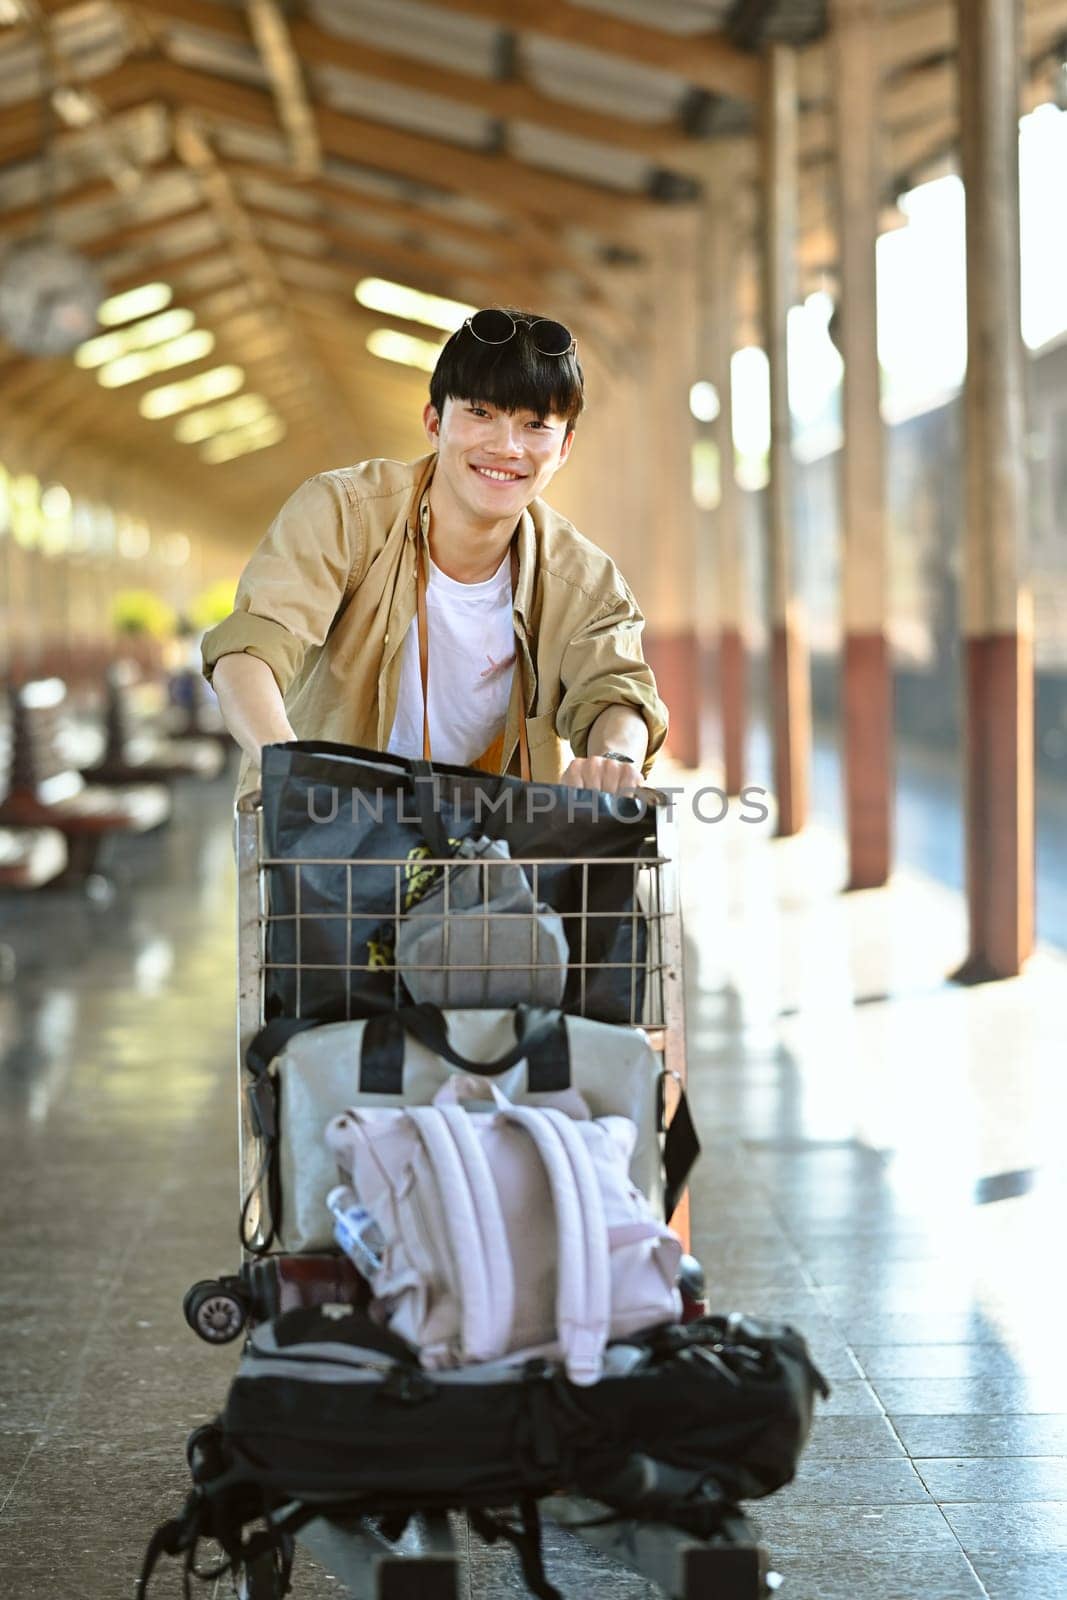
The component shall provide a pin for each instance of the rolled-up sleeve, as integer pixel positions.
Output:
(604, 666)
(294, 583)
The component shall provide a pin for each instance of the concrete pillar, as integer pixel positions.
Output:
(719, 307)
(673, 602)
(998, 641)
(867, 699)
(790, 679)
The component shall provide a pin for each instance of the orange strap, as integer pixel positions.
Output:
(496, 749)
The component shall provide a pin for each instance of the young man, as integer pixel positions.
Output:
(391, 605)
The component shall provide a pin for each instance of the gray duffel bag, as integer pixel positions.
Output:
(479, 940)
(304, 1074)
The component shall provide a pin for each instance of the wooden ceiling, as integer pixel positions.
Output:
(261, 158)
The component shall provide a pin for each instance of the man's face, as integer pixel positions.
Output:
(492, 462)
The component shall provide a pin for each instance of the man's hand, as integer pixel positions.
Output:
(605, 773)
(619, 730)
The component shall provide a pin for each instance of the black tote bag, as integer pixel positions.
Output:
(331, 930)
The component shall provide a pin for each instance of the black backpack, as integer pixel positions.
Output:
(331, 1413)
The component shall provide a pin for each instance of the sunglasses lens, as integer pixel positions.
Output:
(551, 338)
(492, 327)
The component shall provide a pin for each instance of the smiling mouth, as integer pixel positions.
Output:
(496, 476)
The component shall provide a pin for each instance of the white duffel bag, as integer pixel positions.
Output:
(405, 1057)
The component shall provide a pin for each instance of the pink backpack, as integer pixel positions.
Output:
(511, 1232)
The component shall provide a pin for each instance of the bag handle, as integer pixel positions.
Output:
(540, 1039)
(583, 1284)
(474, 1224)
(272, 1039)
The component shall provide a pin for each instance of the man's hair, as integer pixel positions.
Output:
(513, 376)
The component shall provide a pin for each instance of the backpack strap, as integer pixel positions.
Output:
(475, 1228)
(583, 1286)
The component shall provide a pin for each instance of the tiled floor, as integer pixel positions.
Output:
(861, 1118)
(882, 1165)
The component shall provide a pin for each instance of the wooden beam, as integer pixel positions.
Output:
(528, 251)
(271, 32)
(122, 89)
(529, 238)
(705, 59)
(261, 370)
(923, 33)
(507, 100)
(168, 264)
(507, 184)
(349, 318)
(350, 257)
(71, 197)
(918, 33)
(524, 245)
(196, 152)
(372, 254)
(327, 50)
(118, 235)
(386, 395)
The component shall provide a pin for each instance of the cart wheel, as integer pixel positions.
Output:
(203, 1452)
(729, 1572)
(260, 1579)
(215, 1312)
(264, 1581)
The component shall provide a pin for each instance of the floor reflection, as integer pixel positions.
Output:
(882, 1165)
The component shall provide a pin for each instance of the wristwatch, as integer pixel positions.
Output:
(617, 755)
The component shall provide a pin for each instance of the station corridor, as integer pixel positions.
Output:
(882, 1164)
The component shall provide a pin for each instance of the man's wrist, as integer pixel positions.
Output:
(619, 732)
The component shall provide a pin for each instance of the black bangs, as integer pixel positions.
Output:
(513, 376)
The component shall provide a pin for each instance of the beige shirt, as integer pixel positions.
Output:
(328, 595)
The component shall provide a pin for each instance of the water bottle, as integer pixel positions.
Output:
(692, 1287)
(356, 1231)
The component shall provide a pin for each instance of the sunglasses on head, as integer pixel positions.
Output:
(497, 327)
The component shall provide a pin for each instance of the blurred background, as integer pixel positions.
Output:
(232, 238)
(813, 254)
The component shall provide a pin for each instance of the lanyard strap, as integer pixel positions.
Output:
(517, 699)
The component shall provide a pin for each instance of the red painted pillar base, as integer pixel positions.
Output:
(791, 713)
(868, 743)
(733, 693)
(675, 659)
(999, 796)
(708, 704)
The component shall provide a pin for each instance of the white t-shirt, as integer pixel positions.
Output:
(472, 659)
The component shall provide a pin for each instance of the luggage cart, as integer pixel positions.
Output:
(424, 1563)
